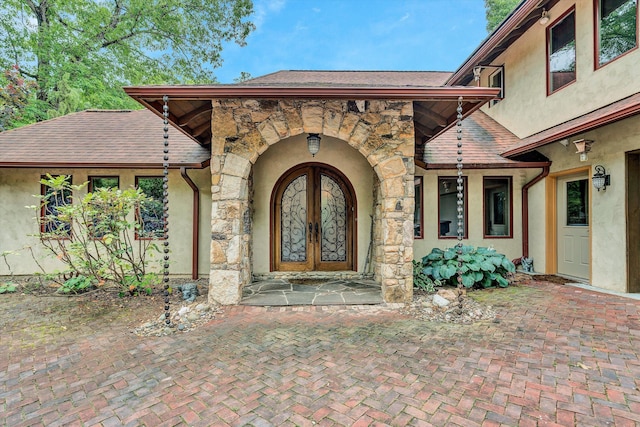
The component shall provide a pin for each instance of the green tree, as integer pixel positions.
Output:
(497, 10)
(14, 97)
(81, 52)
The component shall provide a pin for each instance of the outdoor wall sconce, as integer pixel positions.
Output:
(583, 146)
(313, 143)
(600, 179)
(544, 18)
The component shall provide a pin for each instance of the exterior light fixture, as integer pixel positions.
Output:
(583, 146)
(600, 179)
(313, 143)
(544, 18)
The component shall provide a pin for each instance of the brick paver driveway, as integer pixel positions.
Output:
(558, 356)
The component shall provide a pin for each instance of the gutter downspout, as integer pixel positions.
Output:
(525, 209)
(195, 239)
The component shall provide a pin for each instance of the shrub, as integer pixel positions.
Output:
(95, 236)
(7, 288)
(76, 285)
(422, 280)
(481, 267)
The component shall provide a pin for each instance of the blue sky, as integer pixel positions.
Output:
(431, 35)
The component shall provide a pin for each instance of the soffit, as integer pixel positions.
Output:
(190, 106)
(522, 18)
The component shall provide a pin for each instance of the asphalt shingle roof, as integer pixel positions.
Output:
(99, 138)
(483, 139)
(352, 78)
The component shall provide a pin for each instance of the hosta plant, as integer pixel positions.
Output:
(481, 267)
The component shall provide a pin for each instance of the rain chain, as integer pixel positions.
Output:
(460, 207)
(165, 209)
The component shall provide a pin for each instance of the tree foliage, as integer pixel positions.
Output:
(497, 10)
(81, 52)
(14, 97)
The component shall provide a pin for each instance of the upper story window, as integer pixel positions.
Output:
(616, 29)
(496, 79)
(561, 50)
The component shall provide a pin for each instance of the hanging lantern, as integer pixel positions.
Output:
(313, 143)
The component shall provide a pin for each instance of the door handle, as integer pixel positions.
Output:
(317, 230)
(310, 233)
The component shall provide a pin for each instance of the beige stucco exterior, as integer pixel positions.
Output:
(526, 108)
(608, 219)
(510, 246)
(290, 152)
(18, 224)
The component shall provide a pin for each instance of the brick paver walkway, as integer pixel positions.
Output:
(558, 356)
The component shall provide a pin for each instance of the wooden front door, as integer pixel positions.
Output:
(574, 255)
(313, 220)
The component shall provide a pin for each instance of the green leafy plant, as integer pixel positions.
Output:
(481, 267)
(145, 285)
(95, 236)
(422, 280)
(76, 285)
(7, 288)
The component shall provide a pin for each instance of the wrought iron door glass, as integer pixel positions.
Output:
(293, 221)
(333, 220)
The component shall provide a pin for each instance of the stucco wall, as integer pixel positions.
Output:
(608, 220)
(527, 109)
(511, 247)
(290, 152)
(17, 222)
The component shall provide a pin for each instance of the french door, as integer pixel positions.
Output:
(313, 220)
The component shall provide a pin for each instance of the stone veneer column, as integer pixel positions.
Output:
(382, 131)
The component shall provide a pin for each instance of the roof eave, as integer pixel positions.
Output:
(493, 40)
(621, 114)
(509, 165)
(88, 165)
(477, 94)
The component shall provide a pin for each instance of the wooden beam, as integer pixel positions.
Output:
(204, 108)
(431, 115)
(201, 129)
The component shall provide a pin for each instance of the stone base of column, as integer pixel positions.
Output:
(225, 287)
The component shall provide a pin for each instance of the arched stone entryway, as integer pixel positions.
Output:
(243, 129)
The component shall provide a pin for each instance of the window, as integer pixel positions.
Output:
(496, 79)
(616, 29)
(448, 207)
(150, 214)
(561, 48)
(100, 228)
(497, 207)
(418, 216)
(578, 202)
(96, 182)
(53, 201)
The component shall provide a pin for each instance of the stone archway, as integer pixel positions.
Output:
(382, 131)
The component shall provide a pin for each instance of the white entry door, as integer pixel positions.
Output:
(573, 226)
